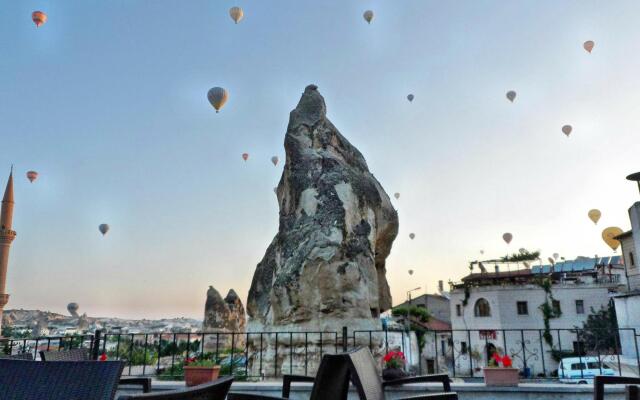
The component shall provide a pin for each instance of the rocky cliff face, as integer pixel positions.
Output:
(325, 268)
(224, 316)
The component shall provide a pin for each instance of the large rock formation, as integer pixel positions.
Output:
(325, 268)
(224, 316)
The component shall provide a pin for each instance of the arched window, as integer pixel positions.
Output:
(482, 308)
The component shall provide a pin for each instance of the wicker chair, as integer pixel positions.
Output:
(64, 380)
(330, 383)
(601, 380)
(216, 390)
(365, 377)
(82, 354)
(19, 356)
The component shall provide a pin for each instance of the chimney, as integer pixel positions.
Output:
(440, 286)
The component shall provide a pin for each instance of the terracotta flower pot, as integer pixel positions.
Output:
(198, 375)
(390, 374)
(501, 376)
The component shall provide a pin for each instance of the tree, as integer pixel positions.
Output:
(599, 333)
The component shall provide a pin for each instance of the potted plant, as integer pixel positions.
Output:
(197, 371)
(500, 372)
(393, 366)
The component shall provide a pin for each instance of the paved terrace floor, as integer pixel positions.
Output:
(466, 391)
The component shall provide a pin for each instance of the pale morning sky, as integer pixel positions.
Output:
(107, 101)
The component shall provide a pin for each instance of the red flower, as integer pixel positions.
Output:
(497, 357)
(103, 357)
(506, 361)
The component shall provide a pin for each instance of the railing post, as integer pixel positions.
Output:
(344, 339)
(95, 349)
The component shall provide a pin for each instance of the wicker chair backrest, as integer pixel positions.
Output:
(216, 390)
(19, 356)
(365, 376)
(66, 355)
(59, 380)
(332, 379)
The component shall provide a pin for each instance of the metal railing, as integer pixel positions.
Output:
(260, 355)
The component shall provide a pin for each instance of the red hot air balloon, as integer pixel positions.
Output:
(39, 18)
(32, 176)
(245, 156)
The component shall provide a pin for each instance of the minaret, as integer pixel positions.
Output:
(6, 237)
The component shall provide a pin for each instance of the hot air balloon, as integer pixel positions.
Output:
(368, 16)
(507, 237)
(511, 95)
(567, 130)
(39, 18)
(103, 228)
(396, 195)
(245, 156)
(608, 235)
(556, 256)
(412, 236)
(522, 250)
(32, 176)
(594, 215)
(217, 97)
(274, 160)
(588, 45)
(236, 14)
(73, 309)
(410, 97)
(275, 190)
(481, 251)
(410, 272)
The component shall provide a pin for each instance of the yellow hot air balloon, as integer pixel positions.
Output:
(236, 14)
(609, 234)
(594, 215)
(567, 130)
(588, 45)
(507, 237)
(368, 16)
(217, 97)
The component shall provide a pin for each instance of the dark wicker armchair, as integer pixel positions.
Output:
(19, 356)
(331, 382)
(64, 380)
(365, 377)
(600, 381)
(216, 390)
(82, 354)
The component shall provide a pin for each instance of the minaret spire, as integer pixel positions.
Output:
(6, 237)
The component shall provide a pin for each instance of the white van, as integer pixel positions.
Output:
(582, 369)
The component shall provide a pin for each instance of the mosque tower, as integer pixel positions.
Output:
(6, 237)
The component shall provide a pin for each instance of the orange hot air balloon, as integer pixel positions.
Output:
(609, 234)
(32, 176)
(39, 18)
(245, 156)
(588, 45)
(594, 215)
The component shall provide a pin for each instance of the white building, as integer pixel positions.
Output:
(502, 311)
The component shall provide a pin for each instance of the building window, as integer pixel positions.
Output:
(523, 308)
(631, 259)
(458, 310)
(556, 307)
(482, 308)
(463, 347)
(579, 306)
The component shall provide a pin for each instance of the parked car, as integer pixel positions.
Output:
(582, 369)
